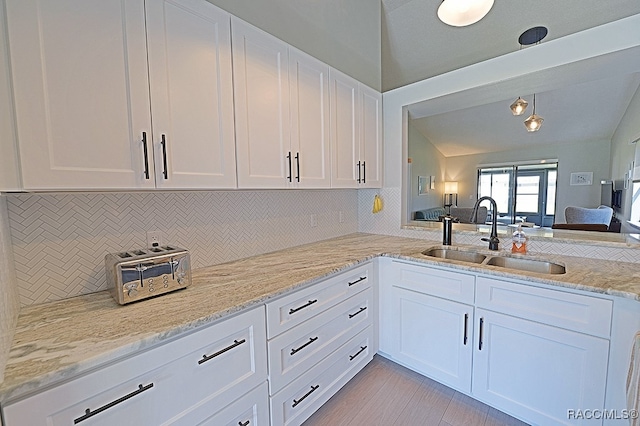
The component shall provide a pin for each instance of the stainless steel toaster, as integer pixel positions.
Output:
(139, 274)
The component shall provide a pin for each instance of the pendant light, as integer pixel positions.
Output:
(460, 13)
(519, 106)
(534, 122)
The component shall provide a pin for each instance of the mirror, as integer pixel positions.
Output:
(583, 102)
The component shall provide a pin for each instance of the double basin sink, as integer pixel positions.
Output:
(517, 263)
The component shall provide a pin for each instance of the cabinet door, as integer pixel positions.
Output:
(81, 93)
(538, 372)
(433, 336)
(309, 120)
(261, 93)
(9, 172)
(345, 142)
(370, 137)
(191, 94)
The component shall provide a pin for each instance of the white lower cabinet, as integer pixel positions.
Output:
(251, 409)
(434, 336)
(312, 356)
(538, 372)
(532, 352)
(182, 382)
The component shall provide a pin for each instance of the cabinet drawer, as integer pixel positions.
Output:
(287, 312)
(436, 282)
(300, 399)
(227, 359)
(302, 347)
(251, 409)
(586, 314)
(155, 386)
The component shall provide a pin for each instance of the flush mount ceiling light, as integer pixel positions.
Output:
(460, 13)
(519, 106)
(534, 122)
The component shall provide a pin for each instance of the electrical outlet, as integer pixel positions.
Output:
(154, 239)
(341, 216)
(314, 220)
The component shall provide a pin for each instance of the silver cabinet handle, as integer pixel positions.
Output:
(298, 401)
(296, 350)
(306, 305)
(362, 349)
(356, 281)
(359, 312)
(290, 173)
(163, 142)
(235, 343)
(466, 321)
(88, 413)
(364, 172)
(145, 151)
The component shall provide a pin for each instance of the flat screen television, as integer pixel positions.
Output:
(609, 196)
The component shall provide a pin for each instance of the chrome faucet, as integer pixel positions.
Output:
(493, 238)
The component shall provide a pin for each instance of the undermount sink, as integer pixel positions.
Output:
(463, 256)
(529, 265)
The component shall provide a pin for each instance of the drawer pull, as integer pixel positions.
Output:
(357, 281)
(466, 322)
(481, 327)
(306, 305)
(89, 413)
(360, 311)
(244, 424)
(206, 358)
(352, 357)
(145, 152)
(296, 402)
(311, 340)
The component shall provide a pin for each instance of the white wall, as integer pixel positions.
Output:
(622, 152)
(9, 300)
(426, 161)
(587, 156)
(344, 34)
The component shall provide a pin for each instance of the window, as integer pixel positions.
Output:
(523, 193)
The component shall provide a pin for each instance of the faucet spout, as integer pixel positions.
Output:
(493, 238)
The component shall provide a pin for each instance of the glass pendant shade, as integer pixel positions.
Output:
(460, 13)
(519, 106)
(533, 123)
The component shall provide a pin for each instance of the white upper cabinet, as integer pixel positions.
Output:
(310, 143)
(345, 130)
(282, 113)
(370, 137)
(356, 133)
(81, 93)
(85, 94)
(9, 168)
(191, 82)
(261, 88)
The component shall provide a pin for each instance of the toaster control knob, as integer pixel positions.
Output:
(132, 290)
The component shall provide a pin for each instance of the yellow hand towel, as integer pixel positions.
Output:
(377, 204)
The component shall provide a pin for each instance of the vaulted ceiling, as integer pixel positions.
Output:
(416, 45)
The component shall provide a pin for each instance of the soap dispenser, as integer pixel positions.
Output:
(519, 241)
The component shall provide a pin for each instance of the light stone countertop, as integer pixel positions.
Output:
(59, 340)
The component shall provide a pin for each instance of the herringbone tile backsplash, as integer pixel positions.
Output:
(59, 240)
